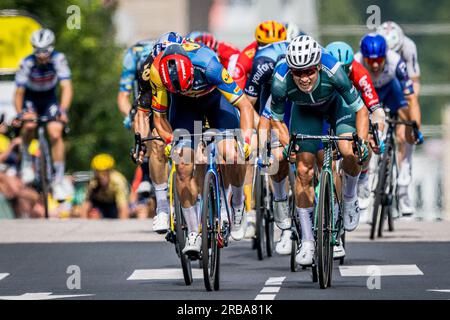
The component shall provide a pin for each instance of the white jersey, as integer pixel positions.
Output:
(394, 67)
(38, 78)
(408, 52)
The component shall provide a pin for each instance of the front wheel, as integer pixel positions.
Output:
(259, 204)
(324, 231)
(181, 235)
(210, 229)
(44, 173)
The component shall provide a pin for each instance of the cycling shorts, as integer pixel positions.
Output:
(43, 103)
(392, 96)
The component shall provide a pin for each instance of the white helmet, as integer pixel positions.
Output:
(393, 34)
(292, 31)
(43, 39)
(303, 52)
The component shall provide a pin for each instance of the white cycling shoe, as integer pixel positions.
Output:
(404, 205)
(239, 226)
(363, 194)
(351, 214)
(284, 246)
(161, 222)
(305, 253)
(193, 243)
(338, 251)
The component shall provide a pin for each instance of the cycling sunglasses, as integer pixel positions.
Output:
(371, 61)
(43, 52)
(304, 72)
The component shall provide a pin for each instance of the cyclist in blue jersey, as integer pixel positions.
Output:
(200, 87)
(395, 89)
(36, 81)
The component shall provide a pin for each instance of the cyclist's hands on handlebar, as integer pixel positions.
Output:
(62, 116)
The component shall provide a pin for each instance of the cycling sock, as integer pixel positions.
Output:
(279, 190)
(404, 178)
(304, 215)
(161, 197)
(191, 217)
(59, 171)
(350, 186)
(238, 196)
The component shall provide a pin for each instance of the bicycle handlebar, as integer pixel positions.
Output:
(140, 146)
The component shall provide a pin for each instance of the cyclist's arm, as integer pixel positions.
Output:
(85, 207)
(18, 98)
(127, 78)
(66, 94)
(277, 105)
(408, 90)
(123, 101)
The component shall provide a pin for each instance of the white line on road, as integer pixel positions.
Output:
(275, 281)
(3, 275)
(270, 290)
(41, 296)
(267, 293)
(163, 274)
(380, 270)
(265, 297)
(439, 290)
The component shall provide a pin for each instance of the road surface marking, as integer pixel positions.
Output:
(275, 281)
(3, 275)
(380, 270)
(163, 274)
(274, 284)
(270, 290)
(265, 297)
(41, 296)
(439, 290)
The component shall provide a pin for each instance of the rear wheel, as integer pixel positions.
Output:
(210, 228)
(377, 213)
(259, 206)
(324, 231)
(181, 235)
(44, 173)
(295, 244)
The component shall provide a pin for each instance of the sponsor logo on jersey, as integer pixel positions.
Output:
(261, 70)
(226, 76)
(364, 84)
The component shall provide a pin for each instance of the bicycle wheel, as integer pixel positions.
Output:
(259, 206)
(341, 260)
(324, 231)
(269, 217)
(386, 198)
(210, 227)
(379, 194)
(295, 244)
(44, 174)
(181, 235)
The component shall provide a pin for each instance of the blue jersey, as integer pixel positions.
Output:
(209, 74)
(266, 58)
(42, 77)
(132, 62)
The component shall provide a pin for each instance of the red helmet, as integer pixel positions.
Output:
(203, 37)
(176, 69)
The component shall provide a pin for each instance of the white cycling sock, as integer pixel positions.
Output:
(350, 186)
(404, 178)
(304, 215)
(59, 171)
(191, 217)
(161, 197)
(279, 190)
(238, 196)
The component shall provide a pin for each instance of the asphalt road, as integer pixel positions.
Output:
(141, 265)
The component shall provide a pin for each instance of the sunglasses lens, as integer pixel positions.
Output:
(304, 72)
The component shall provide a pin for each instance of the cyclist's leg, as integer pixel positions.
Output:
(343, 121)
(184, 112)
(222, 115)
(306, 122)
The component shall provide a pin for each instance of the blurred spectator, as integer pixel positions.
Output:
(142, 195)
(107, 192)
(24, 200)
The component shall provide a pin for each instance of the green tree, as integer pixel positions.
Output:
(95, 61)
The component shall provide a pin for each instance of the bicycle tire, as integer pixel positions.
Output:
(379, 195)
(295, 243)
(269, 219)
(181, 235)
(387, 186)
(260, 229)
(210, 229)
(324, 231)
(44, 174)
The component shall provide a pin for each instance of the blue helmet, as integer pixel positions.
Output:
(373, 46)
(341, 51)
(164, 40)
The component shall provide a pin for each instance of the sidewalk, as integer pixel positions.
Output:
(79, 230)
